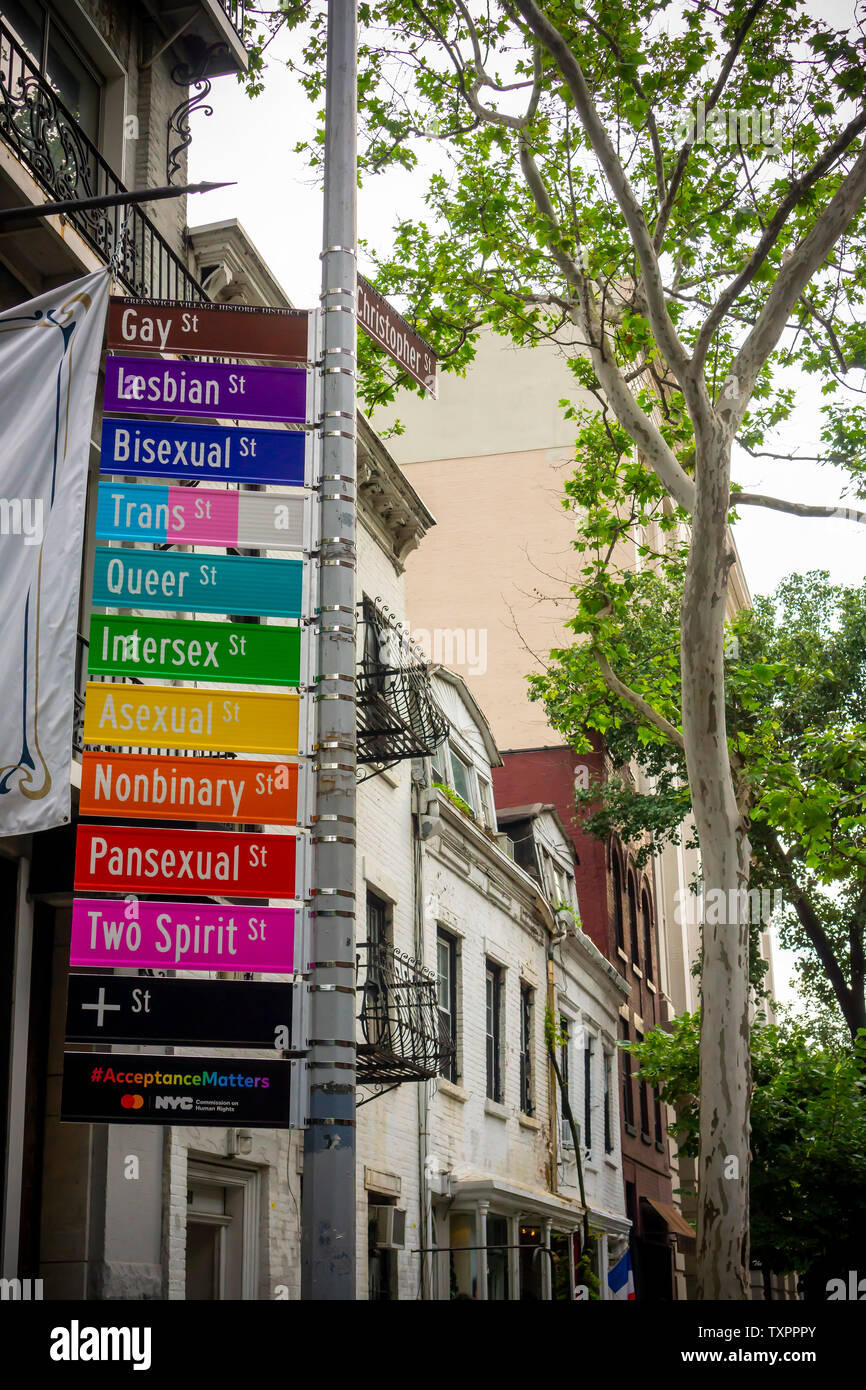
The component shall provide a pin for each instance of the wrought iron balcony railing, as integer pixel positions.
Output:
(403, 1036)
(397, 716)
(50, 143)
(235, 11)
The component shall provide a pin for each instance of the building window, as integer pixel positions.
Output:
(627, 1090)
(632, 922)
(565, 1070)
(608, 1126)
(375, 985)
(437, 763)
(378, 920)
(527, 996)
(643, 1093)
(461, 774)
(619, 932)
(381, 1262)
(657, 1115)
(446, 974)
(646, 912)
(493, 982)
(588, 1046)
(62, 66)
(485, 796)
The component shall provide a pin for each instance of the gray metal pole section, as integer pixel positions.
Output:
(328, 1206)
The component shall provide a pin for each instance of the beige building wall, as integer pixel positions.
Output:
(488, 592)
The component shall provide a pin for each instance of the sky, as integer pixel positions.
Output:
(279, 204)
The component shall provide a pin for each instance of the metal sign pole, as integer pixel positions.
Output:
(328, 1206)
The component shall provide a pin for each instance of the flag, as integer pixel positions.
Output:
(49, 365)
(620, 1279)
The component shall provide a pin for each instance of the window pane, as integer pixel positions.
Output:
(462, 779)
(587, 1092)
(526, 1031)
(619, 934)
(76, 86)
(26, 20)
(608, 1135)
(486, 798)
(446, 961)
(444, 973)
(627, 1091)
(647, 938)
(492, 1024)
(632, 923)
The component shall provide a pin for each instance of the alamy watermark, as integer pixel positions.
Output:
(454, 646)
(733, 126)
(22, 516)
(715, 907)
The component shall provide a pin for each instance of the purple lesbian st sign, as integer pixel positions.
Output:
(210, 390)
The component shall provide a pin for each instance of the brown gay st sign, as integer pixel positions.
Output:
(221, 330)
(381, 322)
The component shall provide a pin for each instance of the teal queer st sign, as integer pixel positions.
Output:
(186, 583)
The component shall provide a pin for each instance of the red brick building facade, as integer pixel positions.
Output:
(618, 912)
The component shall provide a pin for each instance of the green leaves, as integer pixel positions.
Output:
(808, 1137)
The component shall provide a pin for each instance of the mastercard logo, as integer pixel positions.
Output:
(130, 1102)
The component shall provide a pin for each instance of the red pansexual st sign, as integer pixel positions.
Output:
(184, 862)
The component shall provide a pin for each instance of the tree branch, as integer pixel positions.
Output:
(777, 504)
(662, 324)
(771, 233)
(683, 156)
(789, 285)
(637, 702)
(638, 426)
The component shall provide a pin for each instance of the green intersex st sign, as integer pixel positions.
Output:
(182, 649)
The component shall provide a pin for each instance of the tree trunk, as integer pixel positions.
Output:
(723, 1163)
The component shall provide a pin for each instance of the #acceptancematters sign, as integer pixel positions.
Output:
(381, 322)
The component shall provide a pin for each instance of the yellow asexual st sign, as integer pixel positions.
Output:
(151, 716)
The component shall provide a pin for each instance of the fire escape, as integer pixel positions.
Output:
(403, 1037)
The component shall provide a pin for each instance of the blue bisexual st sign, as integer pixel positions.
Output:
(185, 583)
(155, 386)
(219, 453)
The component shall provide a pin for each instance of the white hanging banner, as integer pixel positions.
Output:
(49, 366)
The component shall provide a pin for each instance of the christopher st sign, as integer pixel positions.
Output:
(381, 322)
(113, 1087)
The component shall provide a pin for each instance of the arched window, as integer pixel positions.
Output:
(632, 921)
(646, 913)
(616, 876)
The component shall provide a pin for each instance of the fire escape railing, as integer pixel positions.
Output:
(403, 1036)
(50, 143)
(397, 717)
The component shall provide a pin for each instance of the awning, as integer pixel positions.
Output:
(673, 1219)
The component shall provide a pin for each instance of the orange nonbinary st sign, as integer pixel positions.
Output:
(133, 785)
